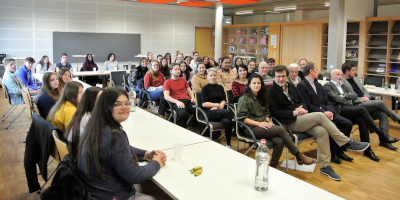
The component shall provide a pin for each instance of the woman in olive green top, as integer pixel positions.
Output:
(253, 110)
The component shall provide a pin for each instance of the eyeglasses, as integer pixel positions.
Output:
(263, 67)
(119, 105)
(294, 72)
(278, 77)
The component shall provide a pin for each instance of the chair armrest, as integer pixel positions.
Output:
(283, 125)
(126, 87)
(112, 83)
(147, 93)
(204, 115)
(250, 131)
(230, 107)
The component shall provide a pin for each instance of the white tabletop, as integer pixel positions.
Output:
(150, 132)
(80, 56)
(227, 174)
(96, 73)
(85, 85)
(139, 56)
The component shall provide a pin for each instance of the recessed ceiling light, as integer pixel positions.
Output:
(244, 12)
(285, 8)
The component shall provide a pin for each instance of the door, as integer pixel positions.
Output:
(299, 41)
(203, 43)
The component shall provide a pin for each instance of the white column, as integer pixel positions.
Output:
(218, 30)
(337, 28)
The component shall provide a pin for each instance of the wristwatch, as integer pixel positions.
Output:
(148, 157)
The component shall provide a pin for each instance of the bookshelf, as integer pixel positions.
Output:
(382, 48)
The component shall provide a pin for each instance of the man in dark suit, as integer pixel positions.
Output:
(344, 103)
(317, 101)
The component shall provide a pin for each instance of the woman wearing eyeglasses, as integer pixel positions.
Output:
(294, 74)
(107, 164)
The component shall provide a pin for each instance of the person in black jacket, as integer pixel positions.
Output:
(317, 101)
(141, 70)
(288, 107)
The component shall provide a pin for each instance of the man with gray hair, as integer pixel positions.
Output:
(263, 72)
(293, 74)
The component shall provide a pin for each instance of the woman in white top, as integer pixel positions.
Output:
(45, 65)
(293, 74)
(111, 64)
(76, 127)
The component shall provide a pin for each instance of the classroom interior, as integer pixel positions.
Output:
(370, 42)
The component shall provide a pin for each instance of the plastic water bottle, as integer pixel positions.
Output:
(262, 158)
(398, 85)
(132, 100)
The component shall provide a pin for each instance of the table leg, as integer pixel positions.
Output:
(77, 61)
(104, 81)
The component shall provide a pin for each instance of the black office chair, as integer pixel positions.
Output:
(378, 82)
(118, 79)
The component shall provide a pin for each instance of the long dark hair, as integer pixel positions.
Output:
(60, 74)
(70, 94)
(262, 97)
(164, 69)
(41, 62)
(53, 93)
(100, 121)
(170, 58)
(187, 72)
(85, 106)
(88, 63)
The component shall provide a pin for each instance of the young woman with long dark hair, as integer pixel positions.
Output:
(239, 85)
(65, 108)
(206, 61)
(111, 64)
(253, 110)
(251, 68)
(76, 127)
(185, 72)
(89, 65)
(48, 95)
(45, 65)
(64, 76)
(199, 80)
(164, 69)
(106, 162)
(168, 57)
(153, 81)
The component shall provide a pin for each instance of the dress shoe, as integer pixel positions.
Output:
(344, 157)
(335, 159)
(388, 139)
(388, 145)
(370, 154)
(304, 159)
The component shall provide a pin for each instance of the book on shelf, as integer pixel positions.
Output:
(242, 51)
(381, 68)
(264, 40)
(232, 49)
(394, 68)
(264, 50)
(351, 54)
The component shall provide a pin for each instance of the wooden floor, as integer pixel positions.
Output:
(361, 179)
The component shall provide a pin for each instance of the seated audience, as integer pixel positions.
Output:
(287, 106)
(25, 74)
(153, 81)
(194, 61)
(225, 75)
(199, 80)
(179, 58)
(271, 65)
(293, 74)
(111, 64)
(45, 65)
(61, 113)
(263, 72)
(13, 82)
(214, 64)
(168, 57)
(206, 61)
(140, 72)
(251, 67)
(302, 63)
(48, 95)
(90, 65)
(164, 69)
(187, 60)
(64, 76)
(238, 62)
(345, 103)
(239, 85)
(76, 127)
(185, 72)
(376, 108)
(317, 100)
(159, 57)
(231, 58)
(178, 92)
(149, 59)
(214, 98)
(253, 110)
(63, 63)
(107, 164)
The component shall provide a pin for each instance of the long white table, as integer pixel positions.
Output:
(150, 132)
(227, 174)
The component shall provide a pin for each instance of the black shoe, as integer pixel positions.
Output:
(388, 139)
(335, 159)
(370, 154)
(344, 157)
(388, 145)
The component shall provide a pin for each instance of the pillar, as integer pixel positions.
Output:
(218, 30)
(336, 33)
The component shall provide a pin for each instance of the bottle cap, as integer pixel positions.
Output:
(263, 141)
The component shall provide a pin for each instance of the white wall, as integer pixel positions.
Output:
(26, 26)
(359, 11)
(389, 10)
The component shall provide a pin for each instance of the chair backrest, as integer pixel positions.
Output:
(268, 85)
(5, 91)
(199, 103)
(118, 78)
(239, 131)
(229, 96)
(62, 147)
(27, 101)
(377, 81)
(36, 109)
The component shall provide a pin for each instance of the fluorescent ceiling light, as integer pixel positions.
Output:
(275, 12)
(269, 11)
(327, 4)
(228, 22)
(244, 12)
(285, 8)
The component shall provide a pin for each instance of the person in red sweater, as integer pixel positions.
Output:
(178, 92)
(154, 80)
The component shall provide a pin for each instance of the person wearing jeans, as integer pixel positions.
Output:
(178, 92)
(153, 82)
